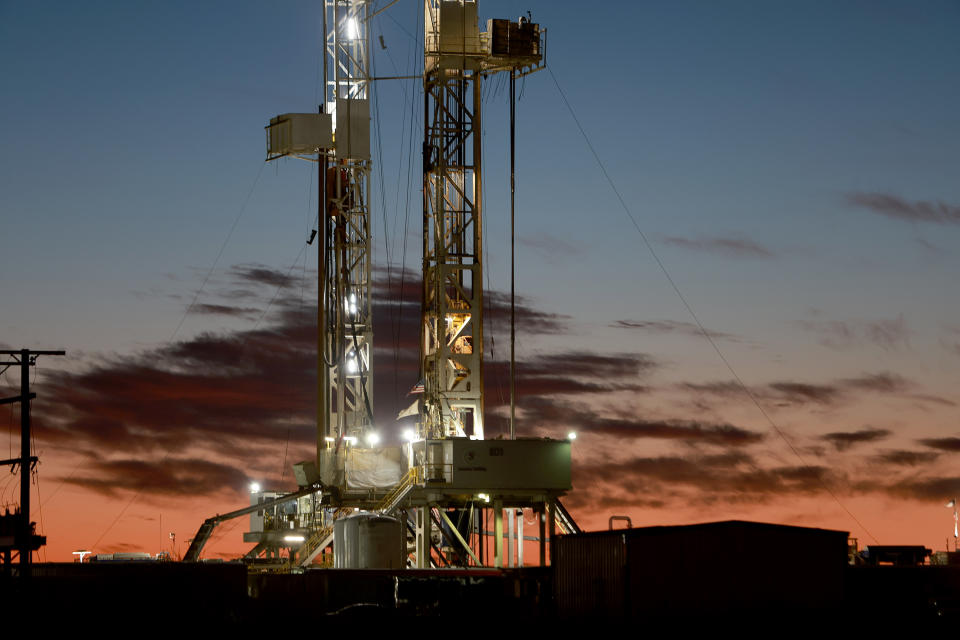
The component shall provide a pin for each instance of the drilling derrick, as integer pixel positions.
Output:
(434, 494)
(337, 138)
(345, 409)
(452, 307)
(456, 58)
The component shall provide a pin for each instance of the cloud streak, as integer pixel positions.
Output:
(547, 414)
(906, 458)
(793, 392)
(893, 206)
(729, 246)
(890, 334)
(843, 440)
(181, 477)
(731, 479)
(663, 327)
(950, 445)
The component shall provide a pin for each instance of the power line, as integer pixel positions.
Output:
(213, 266)
(689, 308)
(219, 253)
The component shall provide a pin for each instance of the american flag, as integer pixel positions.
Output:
(417, 388)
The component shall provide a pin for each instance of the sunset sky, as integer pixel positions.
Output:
(793, 166)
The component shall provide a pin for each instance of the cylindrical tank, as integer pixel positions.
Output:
(368, 541)
(346, 542)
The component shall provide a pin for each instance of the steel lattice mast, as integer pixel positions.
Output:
(451, 334)
(345, 323)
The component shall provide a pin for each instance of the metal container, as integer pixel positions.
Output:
(368, 541)
(726, 569)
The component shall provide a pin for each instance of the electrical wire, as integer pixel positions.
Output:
(10, 431)
(378, 139)
(206, 278)
(36, 481)
(414, 128)
(281, 286)
(62, 482)
(216, 260)
(706, 334)
(3, 490)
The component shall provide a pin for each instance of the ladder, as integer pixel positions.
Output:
(393, 499)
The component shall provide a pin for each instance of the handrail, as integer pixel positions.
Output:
(316, 540)
(399, 491)
(565, 519)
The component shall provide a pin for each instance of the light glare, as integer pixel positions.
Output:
(352, 31)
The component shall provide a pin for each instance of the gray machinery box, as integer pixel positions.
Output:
(495, 464)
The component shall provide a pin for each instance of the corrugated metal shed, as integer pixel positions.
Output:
(702, 570)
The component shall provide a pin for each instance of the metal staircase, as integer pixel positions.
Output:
(318, 540)
(565, 520)
(393, 499)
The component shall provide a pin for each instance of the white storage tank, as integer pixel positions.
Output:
(368, 541)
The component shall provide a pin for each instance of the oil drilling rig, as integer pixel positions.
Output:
(425, 503)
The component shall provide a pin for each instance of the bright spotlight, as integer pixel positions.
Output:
(352, 29)
(254, 487)
(572, 436)
(293, 538)
(409, 435)
(373, 438)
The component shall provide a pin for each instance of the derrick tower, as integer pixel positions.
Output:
(338, 140)
(345, 407)
(451, 327)
(457, 56)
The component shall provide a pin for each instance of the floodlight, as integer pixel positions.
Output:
(352, 29)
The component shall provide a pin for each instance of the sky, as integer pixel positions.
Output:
(783, 174)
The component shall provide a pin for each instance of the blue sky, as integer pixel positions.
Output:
(793, 164)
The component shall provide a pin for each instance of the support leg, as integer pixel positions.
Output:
(520, 538)
(423, 537)
(498, 534)
(542, 523)
(511, 536)
(551, 523)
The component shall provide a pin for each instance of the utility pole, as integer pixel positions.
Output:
(24, 538)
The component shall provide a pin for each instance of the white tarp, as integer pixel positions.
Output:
(412, 410)
(380, 468)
